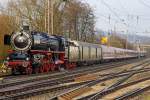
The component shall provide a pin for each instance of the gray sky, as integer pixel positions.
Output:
(131, 15)
(120, 15)
(3, 2)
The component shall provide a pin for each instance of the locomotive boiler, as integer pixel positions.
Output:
(24, 41)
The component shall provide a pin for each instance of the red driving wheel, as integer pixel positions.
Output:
(28, 70)
(46, 68)
(52, 67)
(36, 70)
(41, 69)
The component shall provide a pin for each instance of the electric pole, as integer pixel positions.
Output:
(137, 20)
(52, 17)
(46, 10)
(49, 17)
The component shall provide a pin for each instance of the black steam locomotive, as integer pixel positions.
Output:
(35, 52)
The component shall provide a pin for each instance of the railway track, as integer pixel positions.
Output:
(22, 94)
(33, 86)
(133, 93)
(133, 87)
(76, 92)
(14, 82)
(10, 78)
(105, 92)
(51, 85)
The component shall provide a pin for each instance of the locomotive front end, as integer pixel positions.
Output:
(18, 62)
(21, 41)
(19, 59)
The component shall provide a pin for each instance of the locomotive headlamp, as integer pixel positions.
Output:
(7, 58)
(21, 41)
(27, 58)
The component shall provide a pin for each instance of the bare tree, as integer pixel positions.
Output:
(80, 20)
(77, 18)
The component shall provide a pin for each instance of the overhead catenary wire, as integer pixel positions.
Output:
(127, 14)
(103, 2)
(113, 19)
(122, 18)
(144, 3)
(124, 8)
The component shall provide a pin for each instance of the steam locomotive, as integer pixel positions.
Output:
(38, 52)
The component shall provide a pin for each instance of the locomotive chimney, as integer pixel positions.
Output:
(25, 25)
